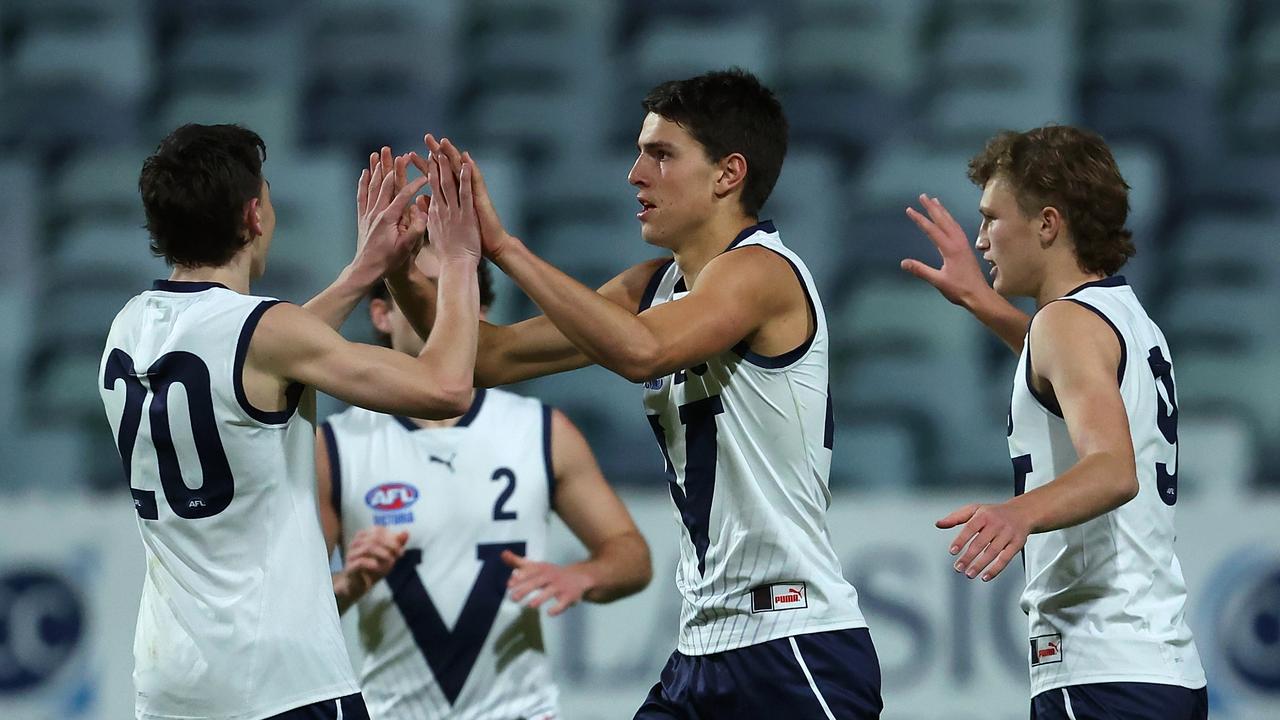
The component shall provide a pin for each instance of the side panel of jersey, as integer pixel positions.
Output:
(747, 441)
(1106, 600)
(441, 637)
(237, 618)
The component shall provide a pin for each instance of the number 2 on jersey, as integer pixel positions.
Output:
(185, 369)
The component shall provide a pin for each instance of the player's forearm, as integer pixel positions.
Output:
(606, 333)
(415, 293)
(618, 568)
(1001, 317)
(1099, 483)
(450, 350)
(334, 304)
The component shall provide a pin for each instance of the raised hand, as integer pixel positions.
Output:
(451, 217)
(372, 554)
(565, 584)
(493, 235)
(960, 278)
(383, 241)
(994, 534)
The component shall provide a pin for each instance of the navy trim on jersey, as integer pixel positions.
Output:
(1049, 404)
(774, 362)
(472, 411)
(335, 468)
(651, 289)
(185, 286)
(463, 421)
(765, 226)
(292, 393)
(1124, 351)
(546, 454)
(1112, 281)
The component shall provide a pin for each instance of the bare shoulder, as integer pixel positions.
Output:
(1071, 331)
(756, 273)
(285, 332)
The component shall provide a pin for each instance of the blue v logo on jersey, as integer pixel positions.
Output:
(390, 503)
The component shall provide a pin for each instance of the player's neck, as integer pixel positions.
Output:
(234, 275)
(1058, 284)
(708, 242)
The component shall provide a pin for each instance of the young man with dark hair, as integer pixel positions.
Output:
(446, 510)
(1093, 432)
(729, 337)
(237, 619)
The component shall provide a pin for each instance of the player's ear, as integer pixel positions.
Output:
(380, 315)
(732, 175)
(253, 217)
(1050, 222)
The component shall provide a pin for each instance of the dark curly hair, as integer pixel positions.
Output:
(730, 111)
(194, 188)
(1074, 171)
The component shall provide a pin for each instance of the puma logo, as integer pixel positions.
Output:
(447, 463)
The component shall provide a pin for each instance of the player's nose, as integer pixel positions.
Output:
(634, 176)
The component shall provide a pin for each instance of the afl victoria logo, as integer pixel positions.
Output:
(389, 497)
(41, 623)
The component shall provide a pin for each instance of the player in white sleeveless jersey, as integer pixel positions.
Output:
(729, 337)
(1093, 432)
(443, 637)
(208, 392)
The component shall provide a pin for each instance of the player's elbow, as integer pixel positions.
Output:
(640, 362)
(641, 565)
(446, 398)
(1126, 484)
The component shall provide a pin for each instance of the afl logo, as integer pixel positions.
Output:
(391, 497)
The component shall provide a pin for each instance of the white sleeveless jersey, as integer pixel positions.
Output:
(1105, 599)
(237, 619)
(747, 442)
(441, 636)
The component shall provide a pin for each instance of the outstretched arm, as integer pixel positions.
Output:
(527, 349)
(618, 565)
(294, 345)
(960, 278)
(1077, 356)
(511, 353)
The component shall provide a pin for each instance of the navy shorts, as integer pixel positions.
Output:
(822, 675)
(350, 707)
(1127, 700)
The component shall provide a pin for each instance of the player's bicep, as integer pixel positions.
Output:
(293, 344)
(1079, 355)
(582, 498)
(725, 307)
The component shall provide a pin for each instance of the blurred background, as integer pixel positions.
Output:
(886, 99)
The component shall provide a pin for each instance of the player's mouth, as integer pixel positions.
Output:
(995, 269)
(645, 208)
